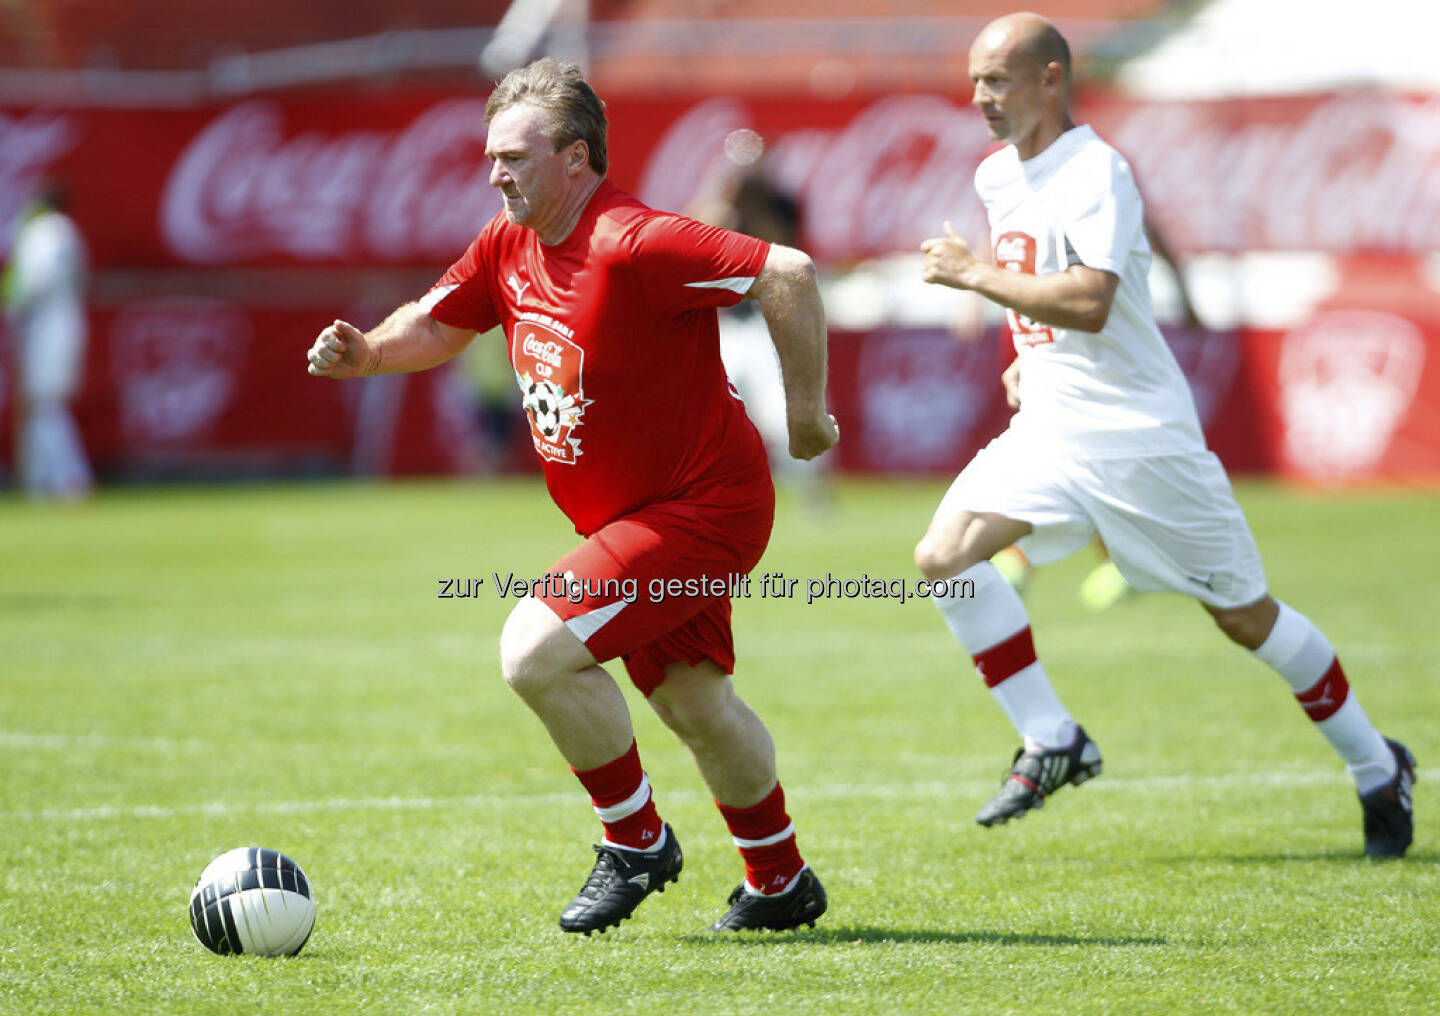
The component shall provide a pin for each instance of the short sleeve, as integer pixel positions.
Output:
(461, 298)
(687, 265)
(1105, 223)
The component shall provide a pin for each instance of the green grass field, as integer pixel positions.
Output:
(185, 671)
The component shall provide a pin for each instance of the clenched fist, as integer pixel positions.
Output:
(341, 351)
(947, 259)
(812, 436)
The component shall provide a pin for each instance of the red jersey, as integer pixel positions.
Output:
(613, 338)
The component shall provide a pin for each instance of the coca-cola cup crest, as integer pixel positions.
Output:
(175, 363)
(1346, 379)
(922, 397)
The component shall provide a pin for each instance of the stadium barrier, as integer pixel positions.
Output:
(188, 387)
(224, 235)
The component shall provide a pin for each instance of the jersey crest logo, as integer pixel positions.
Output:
(1015, 252)
(549, 369)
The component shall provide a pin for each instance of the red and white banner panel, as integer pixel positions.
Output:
(400, 178)
(207, 224)
(188, 386)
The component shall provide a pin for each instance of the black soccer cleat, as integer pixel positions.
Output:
(1389, 810)
(620, 879)
(1039, 772)
(801, 904)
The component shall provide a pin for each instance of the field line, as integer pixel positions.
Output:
(916, 790)
(67, 742)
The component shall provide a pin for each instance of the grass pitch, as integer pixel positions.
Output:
(185, 671)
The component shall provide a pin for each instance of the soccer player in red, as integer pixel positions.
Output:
(609, 311)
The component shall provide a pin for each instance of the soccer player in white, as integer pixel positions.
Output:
(44, 290)
(1106, 440)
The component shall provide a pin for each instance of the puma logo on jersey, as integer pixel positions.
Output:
(519, 287)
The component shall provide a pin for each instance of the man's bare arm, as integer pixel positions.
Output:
(789, 299)
(408, 340)
(1077, 298)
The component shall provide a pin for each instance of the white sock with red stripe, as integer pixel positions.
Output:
(994, 628)
(1301, 654)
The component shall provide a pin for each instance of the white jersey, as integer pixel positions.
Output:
(1109, 394)
(48, 305)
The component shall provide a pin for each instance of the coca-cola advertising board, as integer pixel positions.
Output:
(187, 386)
(189, 205)
(400, 179)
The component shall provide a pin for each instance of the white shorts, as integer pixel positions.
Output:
(1170, 522)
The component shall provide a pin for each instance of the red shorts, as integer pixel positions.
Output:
(654, 586)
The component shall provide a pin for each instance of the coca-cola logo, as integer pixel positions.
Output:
(1332, 173)
(547, 352)
(29, 145)
(1014, 250)
(1339, 173)
(243, 189)
(882, 183)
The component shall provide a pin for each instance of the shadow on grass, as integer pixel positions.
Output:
(853, 935)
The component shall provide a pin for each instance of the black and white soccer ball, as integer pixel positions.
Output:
(252, 900)
(542, 401)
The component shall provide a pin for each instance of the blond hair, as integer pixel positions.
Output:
(573, 112)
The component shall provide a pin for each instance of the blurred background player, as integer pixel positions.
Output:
(44, 291)
(748, 201)
(1106, 440)
(609, 311)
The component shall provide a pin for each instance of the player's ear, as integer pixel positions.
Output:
(578, 157)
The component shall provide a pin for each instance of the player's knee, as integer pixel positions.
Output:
(936, 559)
(1247, 626)
(525, 657)
(695, 711)
(680, 720)
(516, 654)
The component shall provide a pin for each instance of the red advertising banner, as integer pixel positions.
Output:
(194, 387)
(1357, 171)
(187, 387)
(401, 179)
(320, 181)
(1349, 395)
(209, 226)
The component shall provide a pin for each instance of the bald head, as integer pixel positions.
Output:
(1031, 39)
(1021, 68)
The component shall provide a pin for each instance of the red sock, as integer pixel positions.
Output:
(620, 794)
(766, 838)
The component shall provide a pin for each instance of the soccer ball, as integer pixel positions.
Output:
(542, 402)
(252, 900)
